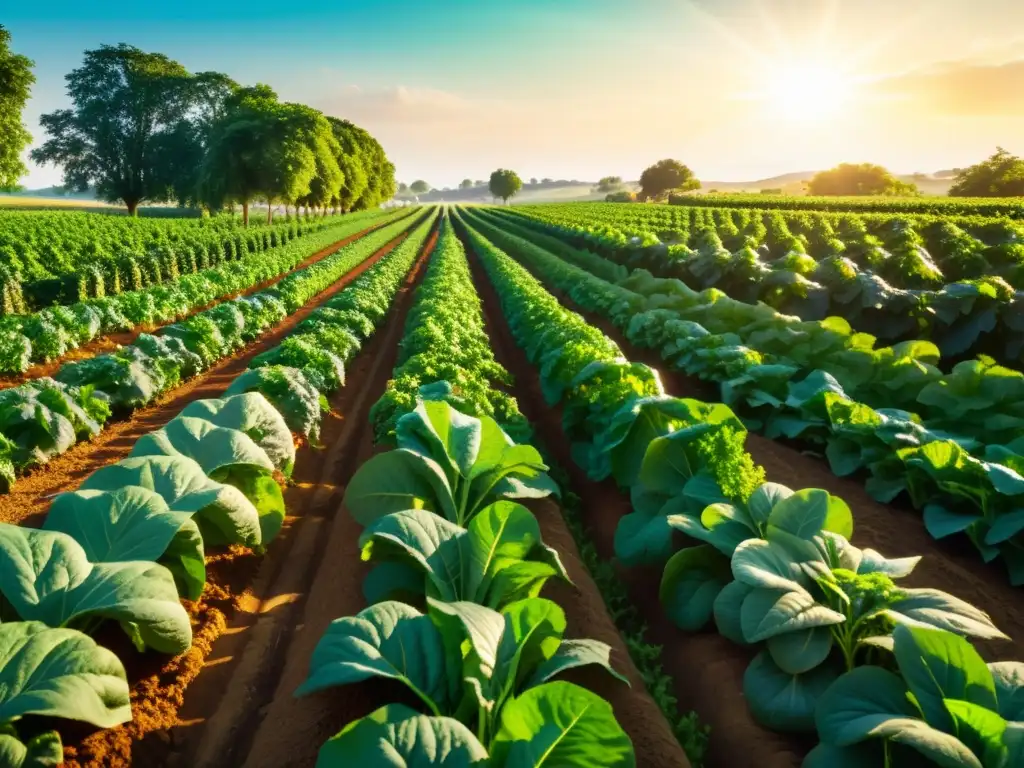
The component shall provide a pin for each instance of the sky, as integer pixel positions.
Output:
(578, 89)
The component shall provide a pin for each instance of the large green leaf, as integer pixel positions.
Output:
(866, 702)
(396, 481)
(398, 737)
(934, 608)
(802, 650)
(1008, 677)
(227, 456)
(46, 576)
(939, 665)
(60, 673)
(391, 640)
(132, 523)
(806, 513)
(783, 701)
(572, 654)
(225, 516)
(728, 610)
(251, 413)
(438, 432)
(768, 613)
(767, 565)
(692, 580)
(981, 729)
(560, 724)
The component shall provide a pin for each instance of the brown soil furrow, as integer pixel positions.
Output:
(706, 670)
(30, 497)
(230, 700)
(112, 341)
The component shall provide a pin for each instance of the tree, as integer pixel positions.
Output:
(16, 80)
(546, 181)
(127, 106)
(354, 164)
(858, 179)
(403, 188)
(479, 183)
(505, 184)
(666, 176)
(610, 184)
(533, 181)
(419, 187)
(317, 132)
(1001, 175)
(466, 184)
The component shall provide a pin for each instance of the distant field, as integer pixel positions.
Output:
(25, 201)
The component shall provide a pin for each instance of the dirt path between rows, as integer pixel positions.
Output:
(706, 670)
(229, 606)
(30, 497)
(112, 341)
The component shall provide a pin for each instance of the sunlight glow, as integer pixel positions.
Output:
(806, 91)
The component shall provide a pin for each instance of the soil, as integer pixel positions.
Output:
(112, 341)
(706, 670)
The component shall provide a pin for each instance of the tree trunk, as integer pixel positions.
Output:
(270, 212)
(133, 207)
(245, 213)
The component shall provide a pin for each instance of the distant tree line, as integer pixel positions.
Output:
(141, 128)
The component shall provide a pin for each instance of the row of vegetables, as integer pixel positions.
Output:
(454, 609)
(882, 282)
(132, 541)
(51, 333)
(49, 258)
(963, 469)
(882, 672)
(45, 417)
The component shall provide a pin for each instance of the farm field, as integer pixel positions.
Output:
(653, 524)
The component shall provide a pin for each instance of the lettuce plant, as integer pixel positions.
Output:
(290, 392)
(821, 606)
(497, 559)
(460, 659)
(55, 672)
(941, 705)
(447, 462)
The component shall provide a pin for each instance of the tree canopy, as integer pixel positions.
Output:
(16, 80)
(128, 111)
(505, 184)
(610, 184)
(466, 184)
(858, 179)
(666, 176)
(419, 187)
(1001, 175)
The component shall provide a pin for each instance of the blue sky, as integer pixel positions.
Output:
(738, 89)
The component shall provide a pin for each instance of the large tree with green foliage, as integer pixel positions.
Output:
(505, 184)
(419, 187)
(466, 184)
(318, 134)
(858, 179)
(127, 105)
(1001, 175)
(352, 163)
(16, 80)
(666, 176)
(610, 184)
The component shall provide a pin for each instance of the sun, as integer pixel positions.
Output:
(806, 91)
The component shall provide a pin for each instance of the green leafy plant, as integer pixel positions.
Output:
(447, 462)
(941, 706)
(497, 559)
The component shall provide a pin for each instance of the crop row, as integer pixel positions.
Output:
(44, 417)
(51, 333)
(977, 399)
(132, 542)
(444, 533)
(957, 491)
(51, 258)
(887, 286)
(879, 670)
(1010, 207)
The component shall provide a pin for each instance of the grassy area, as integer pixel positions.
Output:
(42, 203)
